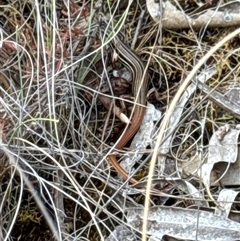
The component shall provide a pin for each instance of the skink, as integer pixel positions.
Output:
(139, 89)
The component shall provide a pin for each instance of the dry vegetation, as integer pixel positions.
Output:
(55, 179)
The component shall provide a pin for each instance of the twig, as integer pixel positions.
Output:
(138, 28)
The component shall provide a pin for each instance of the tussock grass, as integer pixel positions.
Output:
(55, 181)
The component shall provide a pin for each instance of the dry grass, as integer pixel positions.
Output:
(55, 181)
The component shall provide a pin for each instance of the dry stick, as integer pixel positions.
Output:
(166, 119)
(139, 25)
